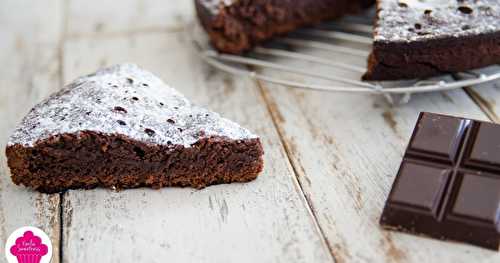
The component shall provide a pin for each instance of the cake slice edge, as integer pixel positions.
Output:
(89, 159)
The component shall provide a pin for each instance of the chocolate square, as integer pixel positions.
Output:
(420, 186)
(478, 205)
(448, 185)
(485, 150)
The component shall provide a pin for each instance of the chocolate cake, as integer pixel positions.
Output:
(237, 25)
(412, 38)
(122, 127)
(418, 39)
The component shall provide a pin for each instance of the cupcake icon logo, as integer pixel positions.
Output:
(28, 245)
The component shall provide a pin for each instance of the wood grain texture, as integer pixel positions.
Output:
(347, 149)
(29, 51)
(263, 221)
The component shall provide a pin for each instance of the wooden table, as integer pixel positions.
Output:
(330, 157)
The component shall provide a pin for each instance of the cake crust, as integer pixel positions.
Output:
(122, 127)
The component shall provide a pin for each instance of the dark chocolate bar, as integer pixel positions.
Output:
(448, 185)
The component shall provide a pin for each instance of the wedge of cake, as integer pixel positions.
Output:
(235, 26)
(423, 38)
(122, 127)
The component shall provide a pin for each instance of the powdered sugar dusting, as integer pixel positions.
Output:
(415, 20)
(214, 5)
(126, 100)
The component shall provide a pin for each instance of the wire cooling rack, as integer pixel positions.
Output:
(351, 37)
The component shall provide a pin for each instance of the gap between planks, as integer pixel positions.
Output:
(276, 117)
(482, 103)
(62, 42)
(117, 34)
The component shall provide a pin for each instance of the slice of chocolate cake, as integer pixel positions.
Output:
(123, 127)
(237, 25)
(423, 38)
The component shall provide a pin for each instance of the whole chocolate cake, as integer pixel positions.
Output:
(122, 127)
(238, 25)
(418, 39)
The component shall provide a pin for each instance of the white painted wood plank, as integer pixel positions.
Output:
(263, 221)
(347, 149)
(29, 33)
(110, 16)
